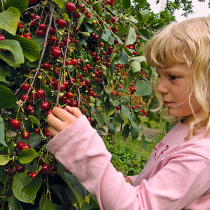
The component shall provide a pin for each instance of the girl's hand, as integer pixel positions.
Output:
(61, 119)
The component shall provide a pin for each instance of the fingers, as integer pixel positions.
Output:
(55, 122)
(53, 131)
(74, 111)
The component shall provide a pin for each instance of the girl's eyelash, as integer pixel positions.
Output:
(172, 77)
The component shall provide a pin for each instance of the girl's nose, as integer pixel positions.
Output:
(162, 87)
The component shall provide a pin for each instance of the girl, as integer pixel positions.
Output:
(177, 174)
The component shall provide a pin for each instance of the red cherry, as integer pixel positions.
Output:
(40, 93)
(10, 172)
(89, 119)
(2, 37)
(48, 112)
(120, 86)
(45, 105)
(40, 33)
(62, 87)
(20, 144)
(74, 62)
(23, 97)
(46, 66)
(113, 19)
(46, 169)
(29, 109)
(88, 15)
(25, 135)
(25, 87)
(56, 52)
(70, 7)
(66, 83)
(118, 107)
(37, 17)
(65, 41)
(62, 23)
(19, 168)
(133, 107)
(53, 40)
(42, 27)
(37, 130)
(119, 94)
(113, 93)
(26, 146)
(68, 63)
(69, 95)
(83, 9)
(76, 42)
(78, 14)
(19, 24)
(32, 174)
(15, 123)
(27, 34)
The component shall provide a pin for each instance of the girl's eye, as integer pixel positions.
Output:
(172, 77)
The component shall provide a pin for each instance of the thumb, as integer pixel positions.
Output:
(74, 111)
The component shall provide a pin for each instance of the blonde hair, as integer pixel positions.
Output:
(186, 42)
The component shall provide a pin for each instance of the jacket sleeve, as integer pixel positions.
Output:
(81, 150)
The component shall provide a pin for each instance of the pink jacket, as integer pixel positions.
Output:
(176, 176)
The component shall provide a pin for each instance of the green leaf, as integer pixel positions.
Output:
(4, 159)
(142, 3)
(139, 58)
(126, 4)
(116, 103)
(14, 203)
(45, 203)
(134, 134)
(80, 21)
(144, 142)
(60, 3)
(145, 14)
(86, 206)
(112, 128)
(134, 125)
(9, 20)
(3, 175)
(99, 118)
(85, 34)
(106, 34)
(135, 65)
(128, 81)
(2, 76)
(15, 50)
(2, 139)
(117, 120)
(34, 120)
(125, 99)
(123, 58)
(131, 36)
(33, 186)
(76, 187)
(125, 112)
(29, 47)
(7, 98)
(20, 180)
(151, 137)
(39, 41)
(144, 34)
(21, 5)
(27, 155)
(143, 88)
(125, 131)
(98, 7)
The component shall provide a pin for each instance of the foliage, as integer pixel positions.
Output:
(86, 54)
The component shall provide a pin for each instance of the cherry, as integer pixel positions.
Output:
(83, 9)
(25, 135)
(32, 174)
(15, 123)
(87, 82)
(118, 107)
(76, 42)
(62, 23)
(53, 39)
(46, 169)
(113, 93)
(89, 119)
(42, 27)
(48, 112)
(65, 41)
(70, 7)
(40, 93)
(66, 83)
(25, 87)
(74, 62)
(68, 63)
(20, 144)
(56, 52)
(120, 86)
(101, 44)
(26, 146)
(10, 172)
(45, 105)
(19, 168)
(62, 87)
(23, 97)
(19, 24)
(40, 33)
(88, 15)
(113, 19)
(78, 15)
(119, 94)
(37, 130)
(46, 66)
(94, 95)
(69, 95)
(29, 109)
(133, 107)
(51, 31)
